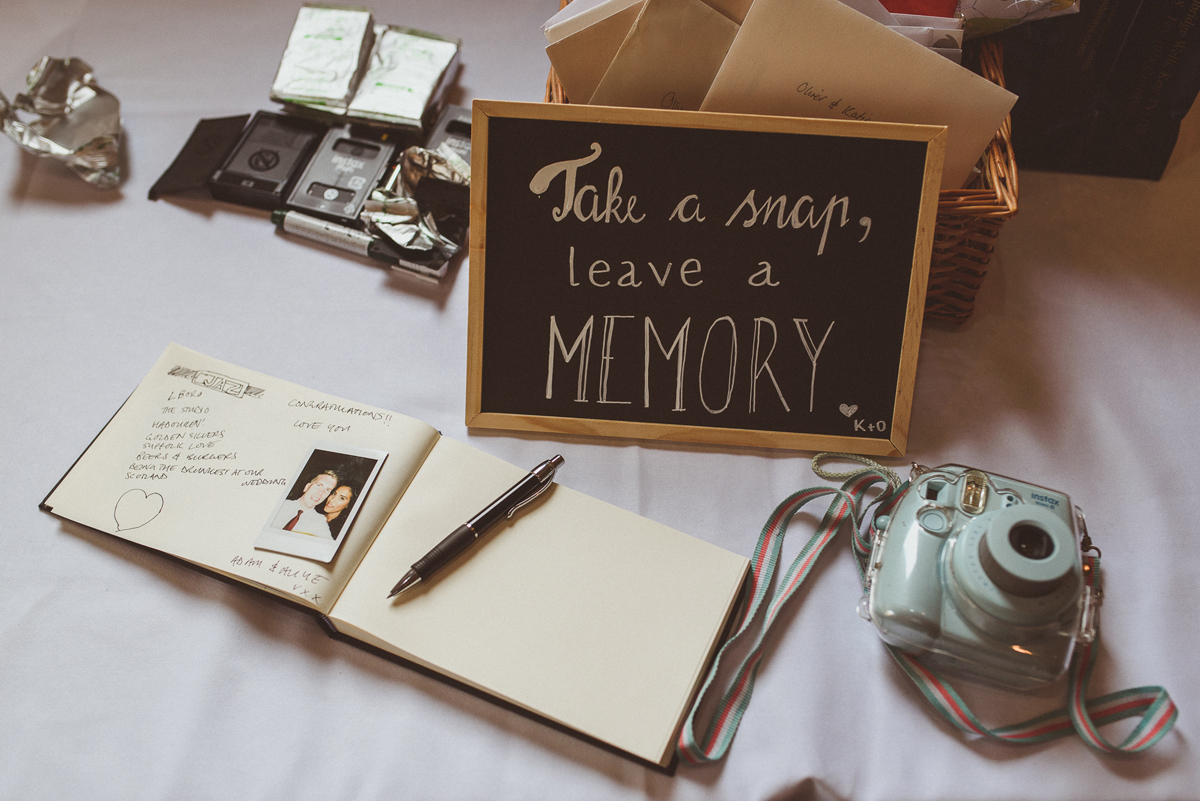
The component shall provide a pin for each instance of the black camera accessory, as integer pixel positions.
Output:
(205, 150)
(262, 167)
(340, 176)
(453, 131)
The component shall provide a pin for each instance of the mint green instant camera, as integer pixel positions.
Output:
(983, 576)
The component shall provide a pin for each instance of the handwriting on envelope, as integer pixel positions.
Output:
(820, 58)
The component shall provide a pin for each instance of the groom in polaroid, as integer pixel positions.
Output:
(301, 515)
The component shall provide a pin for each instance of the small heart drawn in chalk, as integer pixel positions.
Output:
(848, 410)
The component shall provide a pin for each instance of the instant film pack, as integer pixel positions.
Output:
(366, 156)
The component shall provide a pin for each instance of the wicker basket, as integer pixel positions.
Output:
(968, 220)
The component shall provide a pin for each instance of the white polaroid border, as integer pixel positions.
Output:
(308, 546)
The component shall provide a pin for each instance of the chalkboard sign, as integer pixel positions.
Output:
(698, 277)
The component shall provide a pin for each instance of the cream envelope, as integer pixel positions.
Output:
(931, 37)
(873, 9)
(820, 58)
(579, 14)
(581, 58)
(734, 9)
(668, 58)
(921, 20)
(952, 53)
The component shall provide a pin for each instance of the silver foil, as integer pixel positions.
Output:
(74, 120)
(393, 211)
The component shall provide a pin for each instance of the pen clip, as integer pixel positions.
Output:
(545, 486)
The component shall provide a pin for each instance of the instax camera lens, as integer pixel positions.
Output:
(1019, 551)
(1031, 541)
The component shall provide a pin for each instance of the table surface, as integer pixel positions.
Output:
(125, 675)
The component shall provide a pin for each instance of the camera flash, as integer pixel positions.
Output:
(974, 493)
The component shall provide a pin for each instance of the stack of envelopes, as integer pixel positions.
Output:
(836, 59)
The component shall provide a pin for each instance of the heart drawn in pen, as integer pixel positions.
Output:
(848, 410)
(135, 509)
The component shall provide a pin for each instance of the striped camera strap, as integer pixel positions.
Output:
(1082, 715)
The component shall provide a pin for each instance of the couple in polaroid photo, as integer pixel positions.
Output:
(314, 517)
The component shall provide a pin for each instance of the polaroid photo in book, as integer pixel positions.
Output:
(314, 517)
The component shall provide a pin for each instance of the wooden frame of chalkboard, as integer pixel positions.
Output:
(697, 277)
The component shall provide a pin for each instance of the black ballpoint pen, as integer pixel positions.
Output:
(538, 481)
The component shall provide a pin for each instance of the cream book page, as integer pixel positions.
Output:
(577, 610)
(200, 460)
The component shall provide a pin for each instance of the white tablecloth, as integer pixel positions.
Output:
(124, 675)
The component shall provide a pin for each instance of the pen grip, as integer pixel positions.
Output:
(454, 544)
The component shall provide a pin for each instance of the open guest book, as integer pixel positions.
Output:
(601, 621)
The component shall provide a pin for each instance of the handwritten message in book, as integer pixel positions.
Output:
(575, 611)
(700, 277)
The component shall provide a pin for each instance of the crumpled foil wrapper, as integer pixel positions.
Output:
(76, 121)
(429, 232)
